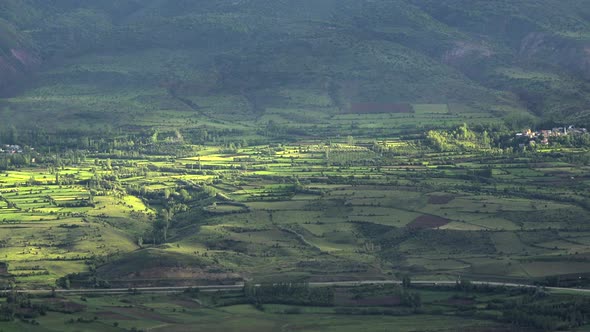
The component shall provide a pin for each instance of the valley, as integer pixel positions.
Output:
(308, 210)
(279, 165)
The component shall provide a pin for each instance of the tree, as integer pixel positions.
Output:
(13, 135)
(31, 181)
(349, 140)
(162, 224)
(406, 281)
(485, 139)
(437, 140)
(184, 195)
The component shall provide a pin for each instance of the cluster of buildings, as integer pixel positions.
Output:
(555, 132)
(11, 149)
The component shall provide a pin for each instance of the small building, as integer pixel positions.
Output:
(11, 149)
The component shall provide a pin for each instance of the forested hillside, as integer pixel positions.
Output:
(309, 165)
(502, 57)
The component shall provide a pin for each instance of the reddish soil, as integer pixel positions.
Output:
(492, 329)
(242, 328)
(460, 301)
(378, 301)
(112, 315)
(63, 305)
(440, 199)
(374, 108)
(426, 221)
(187, 304)
(144, 313)
(345, 298)
(180, 273)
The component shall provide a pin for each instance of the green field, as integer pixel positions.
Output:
(162, 143)
(382, 307)
(296, 211)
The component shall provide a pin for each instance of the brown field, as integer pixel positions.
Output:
(428, 221)
(440, 199)
(460, 301)
(65, 305)
(142, 313)
(187, 304)
(345, 298)
(378, 301)
(112, 315)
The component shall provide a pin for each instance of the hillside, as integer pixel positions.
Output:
(294, 165)
(16, 58)
(115, 61)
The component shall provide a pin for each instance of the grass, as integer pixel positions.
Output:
(299, 188)
(236, 318)
(180, 312)
(294, 213)
(41, 229)
(371, 307)
(297, 209)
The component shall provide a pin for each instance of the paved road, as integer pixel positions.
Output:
(213, 288)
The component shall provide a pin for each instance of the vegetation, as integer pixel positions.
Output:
(334, 140)
(377, 307)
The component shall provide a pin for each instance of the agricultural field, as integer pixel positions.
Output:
(348, 208)
(52, 225)
(283, 149)
(301, 307)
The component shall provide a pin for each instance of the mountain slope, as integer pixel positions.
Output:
(530, 55)
(16, 57)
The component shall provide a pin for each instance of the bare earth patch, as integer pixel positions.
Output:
(460, 301)
(63, 305)
(428, 221)
(344, 298)
(112, 315)
(187, 304)
(440, 199)
(146, 314)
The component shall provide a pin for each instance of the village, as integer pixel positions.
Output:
(10, 149)
(544, 134)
